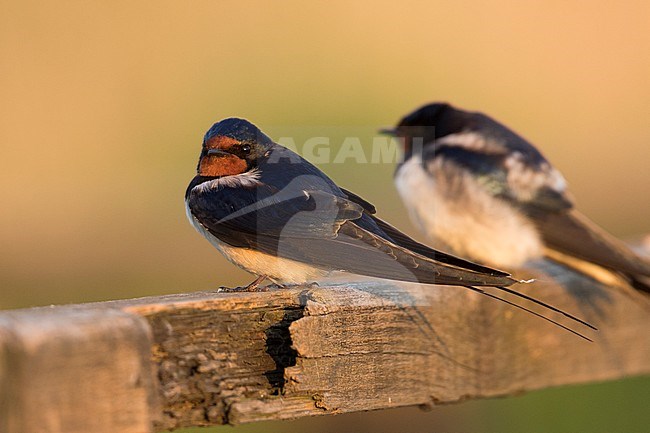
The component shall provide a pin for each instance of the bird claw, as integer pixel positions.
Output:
(238, 289)
(252, 287)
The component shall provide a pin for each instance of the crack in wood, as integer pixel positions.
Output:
(279, 347)
(210, 359)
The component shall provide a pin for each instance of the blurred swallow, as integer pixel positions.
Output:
(274, 214)
(482, 191)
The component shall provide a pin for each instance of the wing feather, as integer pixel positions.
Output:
(574, 234)
(327, 231)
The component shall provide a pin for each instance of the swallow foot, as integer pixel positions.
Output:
(252, 287)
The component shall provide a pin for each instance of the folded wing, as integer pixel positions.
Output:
(331, 232)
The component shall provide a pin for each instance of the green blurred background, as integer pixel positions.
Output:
(104, 105)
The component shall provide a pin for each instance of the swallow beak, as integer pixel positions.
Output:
(388, 131)
(217, 152)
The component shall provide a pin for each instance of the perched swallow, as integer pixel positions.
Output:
(274, 214)
(482, 191)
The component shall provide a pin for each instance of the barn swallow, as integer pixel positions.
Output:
(274, 214)
(482, 191)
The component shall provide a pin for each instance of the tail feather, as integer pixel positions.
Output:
(429, 271)
(528, 310)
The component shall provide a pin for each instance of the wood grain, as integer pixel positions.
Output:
(68, 369)
(212, 358)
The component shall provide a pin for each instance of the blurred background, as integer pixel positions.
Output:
(104, 105)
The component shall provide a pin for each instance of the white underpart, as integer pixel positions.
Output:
(248, 179)
(280, 270)
(459, 216)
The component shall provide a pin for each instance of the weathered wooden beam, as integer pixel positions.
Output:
(74, 369)
(214, 358)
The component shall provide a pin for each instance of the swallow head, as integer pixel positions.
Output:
(231, 147)
(426, 124)
(431, 124)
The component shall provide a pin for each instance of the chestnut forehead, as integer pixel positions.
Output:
(221, 142)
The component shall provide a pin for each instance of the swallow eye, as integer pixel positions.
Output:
(246, 148)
